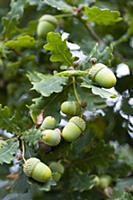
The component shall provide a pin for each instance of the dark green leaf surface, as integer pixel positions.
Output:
(48, 84)
(8, 151)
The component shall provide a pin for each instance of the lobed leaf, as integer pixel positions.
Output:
(99, 91)
(31, 136)
(82, 181)
(22, 41)
(102, 16)
(59, 49)
(48, 84)
(60, 5)
(8, 151)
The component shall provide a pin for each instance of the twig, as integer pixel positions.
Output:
(75, 92)
(124, 38)
(64, 15)
(23, 150)
(91, 31)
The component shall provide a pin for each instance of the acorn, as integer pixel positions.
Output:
(102, 75)
(105, 181)
(2, 143)
(70, 108)
(51, 137)
(73, 129)
(37, 170)
(47, 23)
(57, 170)
(48, 123)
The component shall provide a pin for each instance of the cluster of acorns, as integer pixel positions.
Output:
(33, 167)
(73, 129)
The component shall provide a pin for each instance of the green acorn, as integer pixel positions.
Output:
(104, 181)
(51, 137)
(37, 170)
(48, 123)
(71, 108)
(57, 170)
(47, 23)
(102, 75)
(73, 129)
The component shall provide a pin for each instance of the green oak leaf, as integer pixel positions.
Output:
(8, 151)
(32, 136)
(99, 91)
(60, 5)
(47, 84)
(22, 41)
(59, 49)
(81, 181)
(102, 16)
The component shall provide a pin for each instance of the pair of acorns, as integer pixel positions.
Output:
(73, 129)
(40, 172)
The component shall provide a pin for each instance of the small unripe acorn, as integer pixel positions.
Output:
(57, 170)
(37, 170)
(102, 75)
(70, 108)
(2, 143)
(51, 137)
(57, 167)
(48, 123)
(104, 181)
(47, 23)
(73, 129)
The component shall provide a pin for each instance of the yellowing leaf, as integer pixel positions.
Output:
(22, 41)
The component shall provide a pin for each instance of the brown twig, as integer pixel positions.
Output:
(91, 31)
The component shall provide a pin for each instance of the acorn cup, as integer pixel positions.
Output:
(37, 170)
(102, 75)
(47, 23)
(70, 108)
(48, 123)
(73, 129)
(51, 137)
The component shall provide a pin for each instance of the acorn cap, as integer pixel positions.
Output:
(79, 122)
(49, 18)
(29, 165)
(95, 69)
